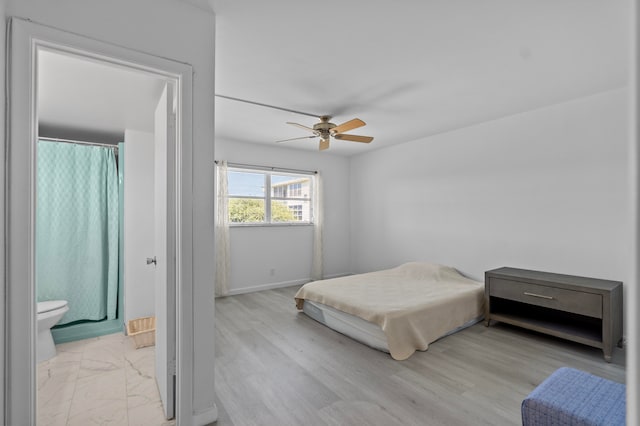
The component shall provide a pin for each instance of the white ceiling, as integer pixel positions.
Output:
(408, 68)
(77, 96)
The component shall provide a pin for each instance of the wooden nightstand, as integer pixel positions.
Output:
(584, 310)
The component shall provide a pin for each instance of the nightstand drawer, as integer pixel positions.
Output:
(577, 302)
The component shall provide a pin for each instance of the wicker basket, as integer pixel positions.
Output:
(143, 331)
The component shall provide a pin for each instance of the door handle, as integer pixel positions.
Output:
(151, 260)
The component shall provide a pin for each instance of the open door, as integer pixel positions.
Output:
(165, 256)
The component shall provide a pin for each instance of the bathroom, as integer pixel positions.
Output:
(96, 195)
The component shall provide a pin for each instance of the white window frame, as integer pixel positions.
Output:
(268, 198)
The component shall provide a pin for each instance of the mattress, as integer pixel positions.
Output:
(412, 305)
(358, 329)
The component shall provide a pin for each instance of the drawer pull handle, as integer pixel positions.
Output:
(541, 296)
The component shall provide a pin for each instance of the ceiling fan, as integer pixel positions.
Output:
(325, 130)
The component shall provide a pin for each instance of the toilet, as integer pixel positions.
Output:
(49, 314)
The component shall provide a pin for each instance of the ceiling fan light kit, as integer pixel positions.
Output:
(325, 130)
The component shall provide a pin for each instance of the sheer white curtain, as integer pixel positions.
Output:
(318, 218)
(222, 246)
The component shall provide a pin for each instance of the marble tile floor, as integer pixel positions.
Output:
(99, 381)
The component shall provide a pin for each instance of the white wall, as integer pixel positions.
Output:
(182, 32)
(257, 250)
(632, 316)
(544, 190)
(2, 210)
(139, 284)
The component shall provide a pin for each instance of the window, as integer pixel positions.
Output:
(295, 189)
(259, 197)
(297, 211)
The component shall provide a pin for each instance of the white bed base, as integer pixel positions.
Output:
(358, 329)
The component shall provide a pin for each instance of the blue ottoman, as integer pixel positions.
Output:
(573, 397)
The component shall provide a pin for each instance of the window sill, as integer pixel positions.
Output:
(267, 225)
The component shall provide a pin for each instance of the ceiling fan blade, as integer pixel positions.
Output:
(295, 139)
(354, 138)
(349, 125)
(301, 126)
(324, 144)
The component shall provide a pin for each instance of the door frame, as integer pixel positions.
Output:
(26, 37)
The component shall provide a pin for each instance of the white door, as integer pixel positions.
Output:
(165, 231)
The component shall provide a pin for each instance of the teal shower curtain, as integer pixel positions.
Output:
(77, 224)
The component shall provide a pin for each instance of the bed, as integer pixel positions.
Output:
(398, 310)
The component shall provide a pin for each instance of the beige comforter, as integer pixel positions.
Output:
(414, 304)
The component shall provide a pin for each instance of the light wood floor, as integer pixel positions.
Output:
(275, 366)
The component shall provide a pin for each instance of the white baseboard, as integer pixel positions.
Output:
(205, 417)
(269, 286)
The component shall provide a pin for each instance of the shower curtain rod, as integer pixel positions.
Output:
(106, 145)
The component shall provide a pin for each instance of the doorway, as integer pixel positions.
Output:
(28, 41)
(100, 163)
